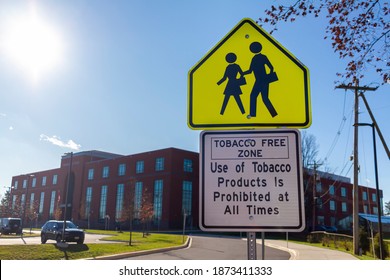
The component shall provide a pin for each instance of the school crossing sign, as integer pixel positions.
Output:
(251, 181)
(248, 80)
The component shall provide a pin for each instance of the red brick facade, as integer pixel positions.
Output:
(105, 175)
(333, 201)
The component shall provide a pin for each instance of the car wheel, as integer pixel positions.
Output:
(43, 239)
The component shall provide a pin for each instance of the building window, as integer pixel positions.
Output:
(373, 196)
(375, 209)
(188, 165)
(88, 200)
(122, 169)
(365, 209)
(52, 204)
(139, 167)
(119, 201)
(319, 203)
(332, 221)
(55, 179)
(103, 202)
(187, 198)
(34, 182)
(137, 199)
(32, 198)
(331, 190)
(343, 192)
(344, 207)
(14, 197)
(24, 183)
(158, 199)
(16, 185)
(106, 171)
(91, 172)
(23, 200)
(320, 220)
(332, 205)
(364, 195)
(41, 202)
(44, 181)
(318, 187)
(159, 164)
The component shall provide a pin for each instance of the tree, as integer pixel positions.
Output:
(310, 163)
(387, 208)
(11, 209)
(147, 211)
(309, 150)
(6, 205)
(32, 213)
(359, 31)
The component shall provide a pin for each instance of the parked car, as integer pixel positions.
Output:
(53, 230)
(10, 225)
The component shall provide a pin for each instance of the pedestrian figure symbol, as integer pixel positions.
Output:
(262, 80)
(236, 79)
(233, 86)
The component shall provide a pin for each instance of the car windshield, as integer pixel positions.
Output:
(68, 225)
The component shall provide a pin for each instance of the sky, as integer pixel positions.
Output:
(112, 76)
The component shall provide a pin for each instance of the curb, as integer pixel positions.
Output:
(187, 244)
(294, 255)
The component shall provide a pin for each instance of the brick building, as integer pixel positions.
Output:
(104, 188)
(333, 200)
(158, 187)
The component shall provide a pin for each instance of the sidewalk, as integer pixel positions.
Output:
(307, 252)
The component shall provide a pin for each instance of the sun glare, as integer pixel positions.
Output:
(33, 44)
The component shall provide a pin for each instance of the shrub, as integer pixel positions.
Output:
(385, 250)
(313, 238)
(364, 242)
(326, 241)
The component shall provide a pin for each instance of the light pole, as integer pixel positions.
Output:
(25, 202)
(66, 194)
(377, 189)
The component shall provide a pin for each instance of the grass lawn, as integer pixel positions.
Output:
(82, 251)
(340, 247)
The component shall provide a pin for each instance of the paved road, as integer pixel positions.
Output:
(215, 248)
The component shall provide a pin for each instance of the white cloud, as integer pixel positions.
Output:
(11, 128)
(55, 140)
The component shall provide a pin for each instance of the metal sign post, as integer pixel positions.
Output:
(252, 254)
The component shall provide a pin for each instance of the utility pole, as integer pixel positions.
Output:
(375, 124)
(355, 202)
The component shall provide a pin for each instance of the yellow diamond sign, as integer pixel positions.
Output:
(248, 80)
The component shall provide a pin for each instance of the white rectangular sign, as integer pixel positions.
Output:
(251, 181)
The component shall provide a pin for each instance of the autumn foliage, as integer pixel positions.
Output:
(359, 31)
